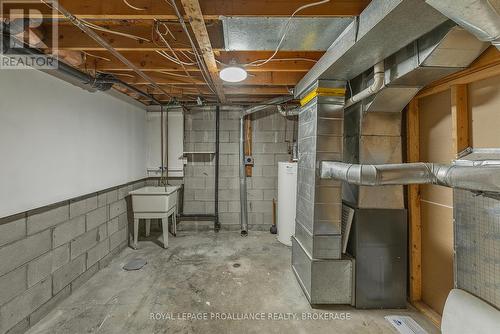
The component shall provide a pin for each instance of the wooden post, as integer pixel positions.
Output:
(460, 118)
(248, 142)
(413, 151)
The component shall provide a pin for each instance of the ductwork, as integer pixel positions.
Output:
(480, 176)
(384, 27)
(441, 52)
(480, 17)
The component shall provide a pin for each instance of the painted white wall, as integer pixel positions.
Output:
(58, 141)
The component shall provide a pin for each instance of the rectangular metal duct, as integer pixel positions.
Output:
(480, 17)
(264, 33)
(324, 275)
(441, 52)
(384, 27)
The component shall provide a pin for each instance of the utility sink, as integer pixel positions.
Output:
(154, 203)
(154, 199)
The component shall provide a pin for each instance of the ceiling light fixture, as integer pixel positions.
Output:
(233, 74)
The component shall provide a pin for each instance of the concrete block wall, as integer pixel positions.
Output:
(269, 147)
(47, 253)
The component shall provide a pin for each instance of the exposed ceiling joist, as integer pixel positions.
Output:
(211, 9)
(152, 61)
(257, 78)
(195, 17)
(244, 90)
(71, 38)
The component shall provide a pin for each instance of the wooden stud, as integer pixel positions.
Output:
(413, 151)
(248, 142)
(460, 118)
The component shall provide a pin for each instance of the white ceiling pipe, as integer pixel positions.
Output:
(378, 83)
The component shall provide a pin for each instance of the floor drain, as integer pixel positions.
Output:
(236, 265)
(135, 264)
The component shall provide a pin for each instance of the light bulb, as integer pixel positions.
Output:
(233, 74)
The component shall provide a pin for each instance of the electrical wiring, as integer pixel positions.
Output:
(96, 27)
(201, 63)
(172, 74)
(185, 55)
(172, 59)
(95, 56)
(133, 7)
(156, 23)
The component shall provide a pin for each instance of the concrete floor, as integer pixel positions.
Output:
(199, 274)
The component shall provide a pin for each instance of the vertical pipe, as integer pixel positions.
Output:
(162, 166)
(216, 204)
(243, 181)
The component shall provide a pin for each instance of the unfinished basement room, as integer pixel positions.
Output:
(250, 166)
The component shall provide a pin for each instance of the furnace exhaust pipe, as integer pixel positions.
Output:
(481, 176)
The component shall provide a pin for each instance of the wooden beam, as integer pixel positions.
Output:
(460, 118)
(211, 9)
(152, 61)
(259, 78)
(195, 16)
(486, 66)
(72, 38)
(244, 90)
(248, 142)
(413, 155)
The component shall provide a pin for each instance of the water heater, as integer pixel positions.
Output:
(287, 198)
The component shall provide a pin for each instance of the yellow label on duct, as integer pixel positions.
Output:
(322, 91)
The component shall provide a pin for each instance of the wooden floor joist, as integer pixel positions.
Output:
(212, 9)
(195, 17)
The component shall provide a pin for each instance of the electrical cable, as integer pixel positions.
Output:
(175, 55)
(204, 71)
(133, 7)
(95, 56)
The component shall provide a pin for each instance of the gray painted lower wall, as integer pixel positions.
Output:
(45, 254)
